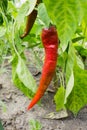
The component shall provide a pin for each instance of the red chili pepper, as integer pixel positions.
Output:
(50, 42)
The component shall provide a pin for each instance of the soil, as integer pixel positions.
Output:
(16, 117)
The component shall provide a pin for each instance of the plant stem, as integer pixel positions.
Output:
(13, 44)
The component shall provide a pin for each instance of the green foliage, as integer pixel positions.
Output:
(3, 47)
(69, 16)
(70, 62)
(59, 98)
(22, 78)
(81, 50)
(3, 5)
(84, 7)
(66, 15)
(35, 125)
(62, 60)
(75, 93)
(2, 31)
(22, 12)
(78, 97)
(69, 70)
(1, 19)
(1, 127)
(24, 75)
(43, 14)
(74, 97)
(32, 4)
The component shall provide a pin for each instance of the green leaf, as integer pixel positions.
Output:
(2, 31)
(22, 87)
(1, 19)
(18, 41)
(65, 14)
(17, 81)
(12, 9)
(84, 7)
(77, 39)
(59, 98)
(62, 60)
(69, 87)
(70, 62)
(69, 71)
(32, 4)
(79, 62)
(81, 50)
(35, 125)
(1, 127)
(78, 97)
(43, 14)
(22, 13)
(25, 76)
(3, 5)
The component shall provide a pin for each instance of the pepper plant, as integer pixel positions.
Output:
(70, 19)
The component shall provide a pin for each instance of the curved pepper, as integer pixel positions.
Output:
(50, 42)
(30, 21)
